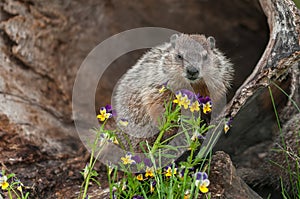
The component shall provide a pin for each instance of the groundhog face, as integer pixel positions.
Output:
(192, 55)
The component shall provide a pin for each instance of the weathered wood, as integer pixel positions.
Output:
(281, 53)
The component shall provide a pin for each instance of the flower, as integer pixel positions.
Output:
(3, 182)
(181, 173)
(19, 185)
(137, 159)
(202, 181)
(191, 95)
(164, 87)
(127, 159)
(85, 171)
(124, 186)
(207, 107)
(228, 125)
(203, 100)
(148, 162)
(19, 188)
(103, 114)
(197, 136)
(115, 140)
(205, 103)
(226, 128)
(140, 177)
(195, 106)
(152, 186)
(110, 110)
(169, 172)
(185, 102)
(123, 122)
(182, 100)
(187, 195)
(149, 172)
(110, 168)
(178, 98)
(137, 197)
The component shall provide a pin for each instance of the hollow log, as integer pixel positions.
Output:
(43, 43)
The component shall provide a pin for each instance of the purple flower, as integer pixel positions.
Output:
(228, 125)
(152, 186)
(201, 176)
(202, 181)
(153, 183)
(203, 100)
(148, 162)
(181, 173)
(191, 95)
(200, 137)
(229, 122)
(137, 159)
(137, 197)
(108, 108)
(165, 84)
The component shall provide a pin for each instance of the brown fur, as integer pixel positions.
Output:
(137, 98)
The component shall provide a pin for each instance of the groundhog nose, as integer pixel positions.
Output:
(192, 72)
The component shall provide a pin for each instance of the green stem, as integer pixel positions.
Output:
(158, 139)
(91, 163)
(9, 194)
(16, 193)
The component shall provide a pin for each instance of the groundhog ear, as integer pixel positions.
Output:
(173, 39)
(212, 42)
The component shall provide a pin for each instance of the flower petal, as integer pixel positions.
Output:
(203, 189)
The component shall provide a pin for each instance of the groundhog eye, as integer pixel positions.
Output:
(179, 56)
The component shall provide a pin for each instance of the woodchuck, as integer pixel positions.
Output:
(185, 62)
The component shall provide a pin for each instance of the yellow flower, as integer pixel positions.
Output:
(103, 115)
(182, 100)
(115, 141)
(149, 172)
(110, 170)
(207, 108)
(195, 106)
(203, 187)
(169, 172)
(124, 186)
(187, 195)
(127, 159)
(152, 186)
(85, 171)
(178, 99)
(4, 185)
(202, 181)
(20, 188)
(162, 89)
(3, 182)
(226, 128)
(140, 177)
(185, 102)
